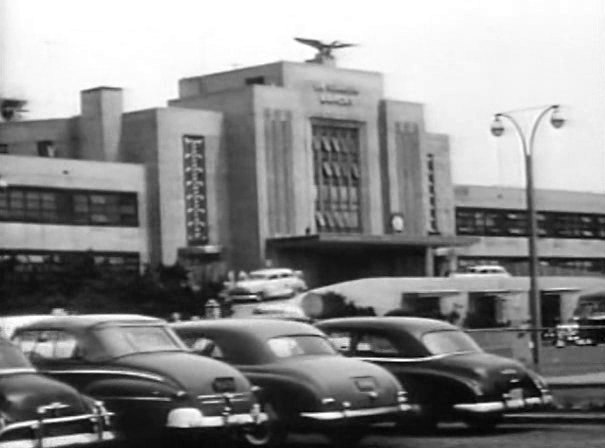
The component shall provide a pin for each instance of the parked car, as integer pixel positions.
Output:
(305, 382)
(144, 374)
(267, 284)
(447, 375)
(37, 411)
(484, 269)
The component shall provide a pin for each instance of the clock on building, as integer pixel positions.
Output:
(397, 222)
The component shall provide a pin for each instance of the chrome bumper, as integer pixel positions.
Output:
(504, 405)
(356, 413)
(60, 441)
(192, 418)
(233, 420)
(38, 440)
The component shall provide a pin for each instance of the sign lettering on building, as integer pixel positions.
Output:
(335, 94)
(194, 177)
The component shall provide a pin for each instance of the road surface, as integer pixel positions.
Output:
(457, 436)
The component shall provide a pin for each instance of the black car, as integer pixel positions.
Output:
(305, 382)
(37, 411)
(447, 375)
(144, 373)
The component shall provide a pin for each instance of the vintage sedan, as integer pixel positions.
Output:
(305, 382)
(36, 411)
(447, 375)
(270, 283)
(143, 372)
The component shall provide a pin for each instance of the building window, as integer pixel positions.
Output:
(194, 178)
(432, 194)
(46, 148)
(335, 148)
(502, 222)
(22, 265)
(255, 80)
(70, 207)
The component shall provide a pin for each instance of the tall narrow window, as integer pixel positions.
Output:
(194, 168)
(432, 194)
(337, 177)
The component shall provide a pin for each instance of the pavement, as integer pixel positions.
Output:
(593, 379)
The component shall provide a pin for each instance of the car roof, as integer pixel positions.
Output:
(414, 325)
(265, 328)
(84, 321)
(272, 271)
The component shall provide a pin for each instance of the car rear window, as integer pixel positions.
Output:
(292, 346)
(125, 340)
(449, 342)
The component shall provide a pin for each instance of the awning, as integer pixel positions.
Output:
(368, 241)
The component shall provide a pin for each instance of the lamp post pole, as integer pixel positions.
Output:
(527, 146)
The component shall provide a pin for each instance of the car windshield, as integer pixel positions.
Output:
(126, 340)
(12, 358)
(291, 346)
(449, 342)
(258, 276)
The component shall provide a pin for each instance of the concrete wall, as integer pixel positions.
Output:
(139, 144)
(243, 248)
(173, 125)
(73, 174)
(100, 124)
(403, 150)
(230, 80)
(22, 136)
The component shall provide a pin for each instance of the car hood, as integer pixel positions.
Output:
(344, 379)
(193, 373)
(21, 394)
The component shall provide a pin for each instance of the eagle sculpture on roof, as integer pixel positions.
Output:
(324, 49)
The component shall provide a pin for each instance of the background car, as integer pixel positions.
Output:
(37, 411)
(483, 269)
(447, 375)
(144, 373)
(267, 284)
(306, 383)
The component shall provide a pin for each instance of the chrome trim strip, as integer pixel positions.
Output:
(60, 441)
(143, 375)
(125, 397)
(14, 371)
(232, 396)
(498, 406)
(47, 421)
(400, 360)
(345, 414)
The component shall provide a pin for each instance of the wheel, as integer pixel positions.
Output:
(483, 423)
(347, 437)
(271, 433)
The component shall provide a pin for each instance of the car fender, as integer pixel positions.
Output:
(435, 387)
(289, 395)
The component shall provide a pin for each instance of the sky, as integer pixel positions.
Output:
(463, 59)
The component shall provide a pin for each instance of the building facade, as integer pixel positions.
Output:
(303, 165)
(571, 229)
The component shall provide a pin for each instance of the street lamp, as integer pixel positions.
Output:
(527, 145)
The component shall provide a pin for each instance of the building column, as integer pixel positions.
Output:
(429, 263)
